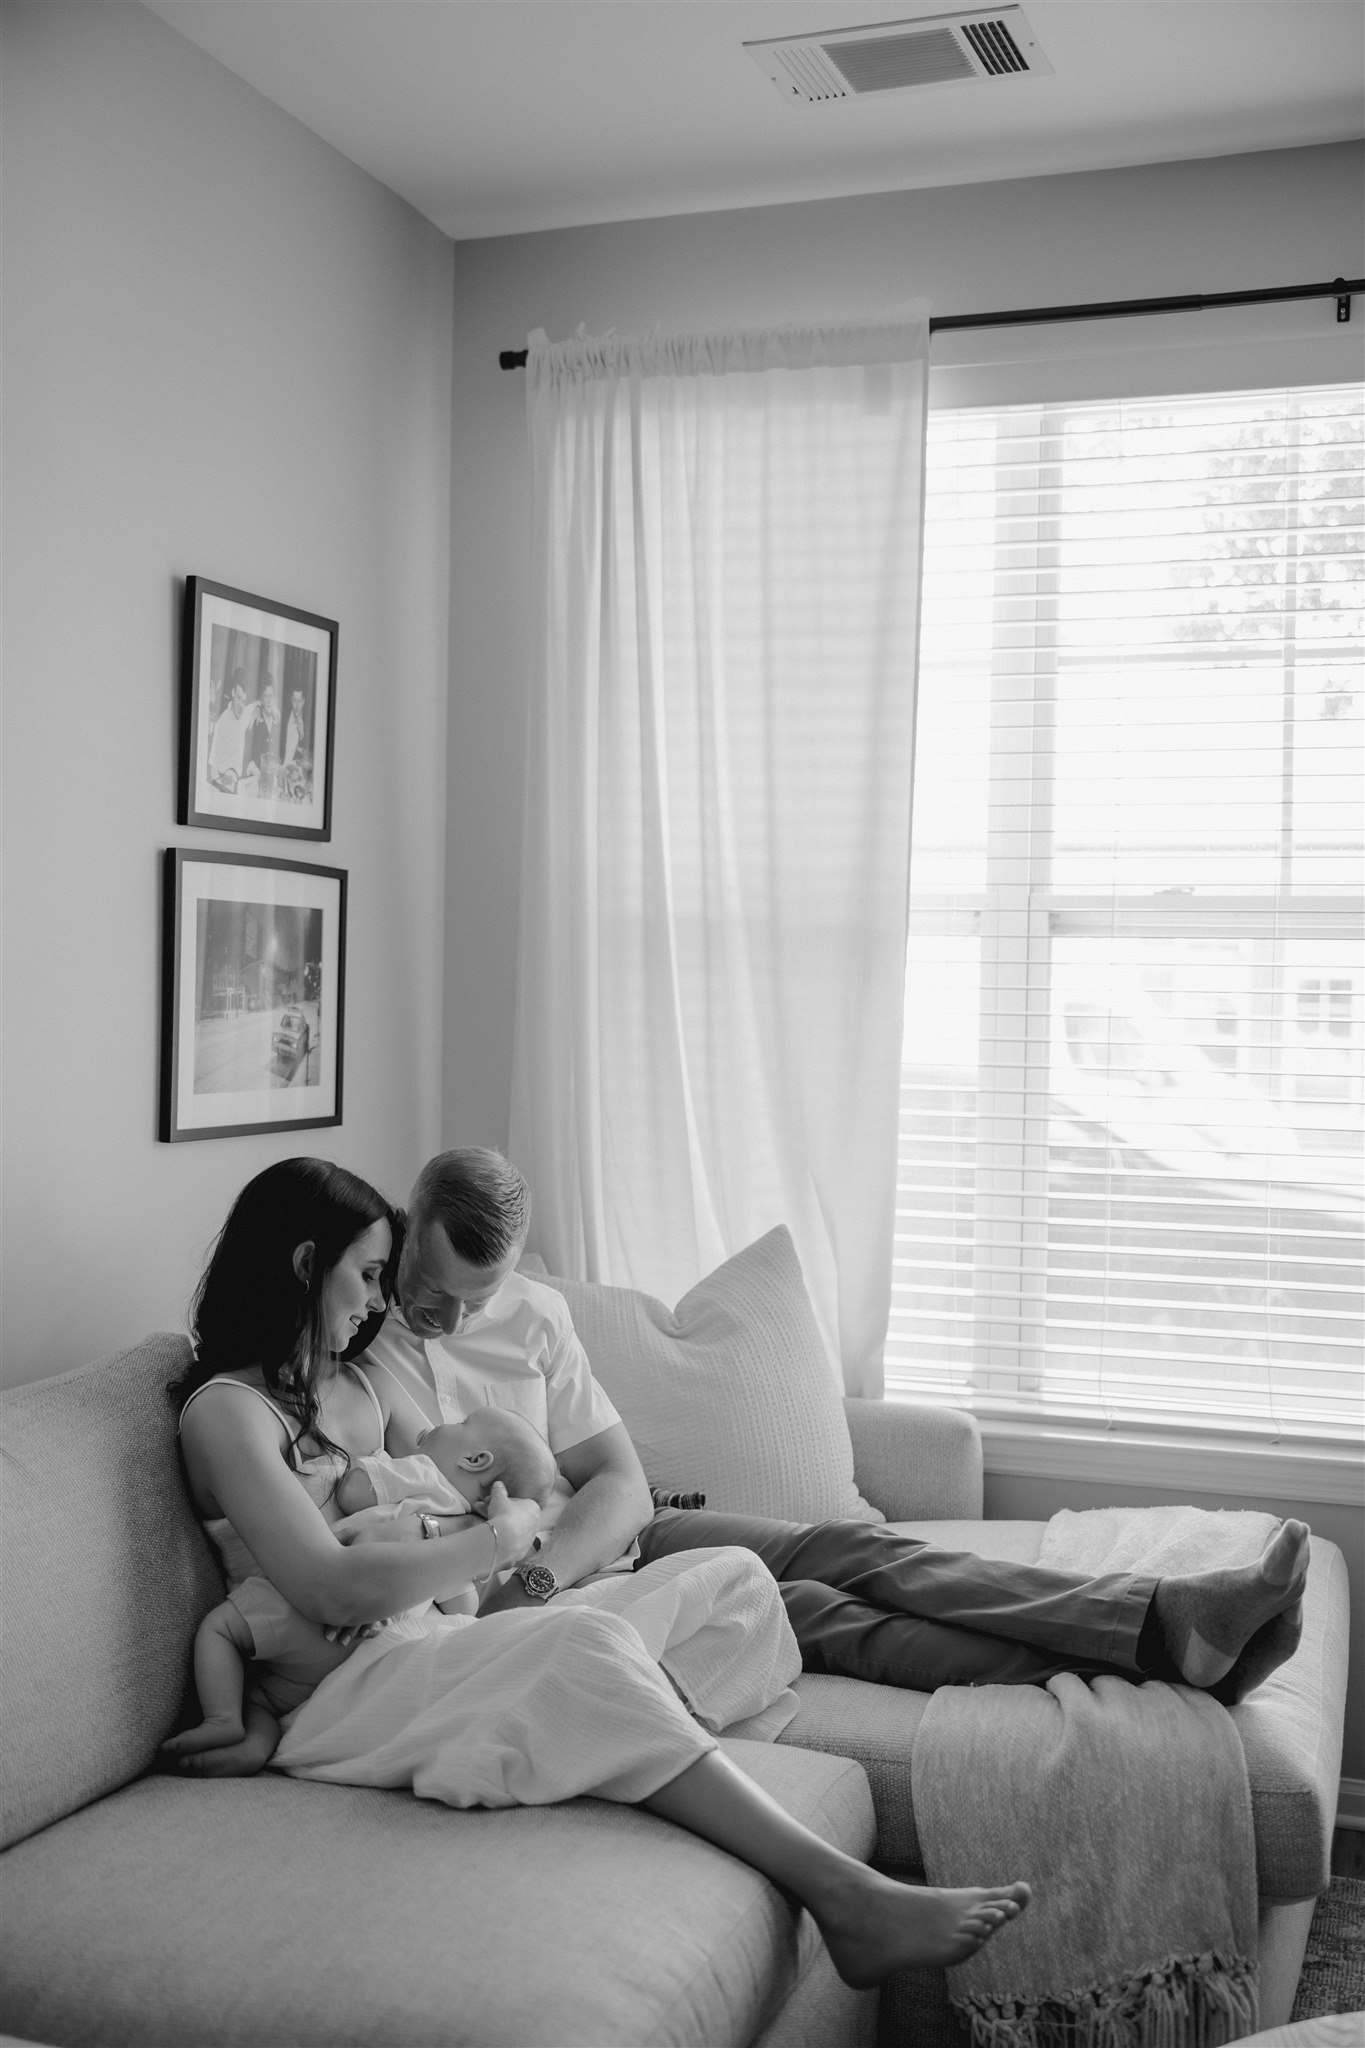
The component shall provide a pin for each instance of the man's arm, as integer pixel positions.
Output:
(610, 1506)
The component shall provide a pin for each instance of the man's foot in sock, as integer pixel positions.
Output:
(1271, 1646)
(1209, 1619)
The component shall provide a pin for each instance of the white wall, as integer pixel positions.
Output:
(226, 352)
(1220, 224)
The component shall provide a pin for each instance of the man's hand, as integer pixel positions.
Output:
(514, 1523)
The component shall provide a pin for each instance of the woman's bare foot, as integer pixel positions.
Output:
(1210, 1619)
(215, 1731)
(873, 1925)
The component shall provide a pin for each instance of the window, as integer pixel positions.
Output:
(1131, 1127)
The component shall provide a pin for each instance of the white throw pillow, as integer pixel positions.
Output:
(730, 1393)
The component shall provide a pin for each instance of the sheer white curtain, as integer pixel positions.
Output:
(726, 573)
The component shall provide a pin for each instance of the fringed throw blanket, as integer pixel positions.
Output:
(1127, 1808)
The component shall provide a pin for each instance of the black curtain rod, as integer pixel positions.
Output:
(1341, 289)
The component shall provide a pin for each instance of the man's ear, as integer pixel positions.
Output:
(303, 1261)
(475, 1461)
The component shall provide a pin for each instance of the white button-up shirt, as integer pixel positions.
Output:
(519, 1351)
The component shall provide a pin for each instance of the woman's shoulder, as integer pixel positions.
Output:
(223, 1429)
(225, 1401)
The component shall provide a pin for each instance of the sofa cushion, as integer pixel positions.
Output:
(730, 1392)
(106, 1576)
(393, 1922)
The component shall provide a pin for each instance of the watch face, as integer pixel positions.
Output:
(539, 1581)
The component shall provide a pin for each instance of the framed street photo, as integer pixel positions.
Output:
(253, 995)
(257, 714)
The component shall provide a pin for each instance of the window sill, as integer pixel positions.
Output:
(1180, 1460)
(1193, 1461)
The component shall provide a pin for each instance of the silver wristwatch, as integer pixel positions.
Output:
(538, 1580)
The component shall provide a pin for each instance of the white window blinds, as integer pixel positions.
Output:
(1131, 1114)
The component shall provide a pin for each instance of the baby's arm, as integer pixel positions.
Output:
(228, 1743)
(512, 1524)
(390, 1522)
(382, 1480)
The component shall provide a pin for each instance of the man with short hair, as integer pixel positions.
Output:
(468, 1330)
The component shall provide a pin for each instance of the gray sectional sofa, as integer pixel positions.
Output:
(147, 1910)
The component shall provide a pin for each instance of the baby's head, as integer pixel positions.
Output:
(493, 1443)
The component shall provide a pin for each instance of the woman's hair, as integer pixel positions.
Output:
(252, 1308)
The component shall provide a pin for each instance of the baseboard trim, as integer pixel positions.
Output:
(1351, 1803)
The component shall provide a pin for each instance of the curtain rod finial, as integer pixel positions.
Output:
(512, 358)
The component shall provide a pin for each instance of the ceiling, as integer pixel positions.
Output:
(498, 117)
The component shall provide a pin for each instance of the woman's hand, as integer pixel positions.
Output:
(514, 1523)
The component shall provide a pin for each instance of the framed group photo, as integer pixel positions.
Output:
(253, 994)
(257, 714)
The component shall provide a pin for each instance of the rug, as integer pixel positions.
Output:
(1333, 1975)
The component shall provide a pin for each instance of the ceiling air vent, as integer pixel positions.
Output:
(893, 56)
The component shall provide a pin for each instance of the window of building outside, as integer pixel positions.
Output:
(1130, 1164)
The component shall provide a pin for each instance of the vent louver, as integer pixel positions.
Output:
(896, 56)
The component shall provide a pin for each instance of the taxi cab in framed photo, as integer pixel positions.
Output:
(253, 994)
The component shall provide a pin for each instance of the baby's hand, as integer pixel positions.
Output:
(513, 1522)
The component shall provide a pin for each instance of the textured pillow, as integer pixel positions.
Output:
(730, 1392)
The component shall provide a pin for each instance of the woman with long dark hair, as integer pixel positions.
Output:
(515, 1708)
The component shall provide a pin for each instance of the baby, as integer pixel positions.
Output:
(454, 1467)
(495, 1455)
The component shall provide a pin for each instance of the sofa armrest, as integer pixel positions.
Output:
(916, 1464)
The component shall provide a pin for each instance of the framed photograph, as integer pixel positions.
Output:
(253, 995)
(257, 714)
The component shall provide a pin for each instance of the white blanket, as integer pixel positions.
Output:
(1156, 1540)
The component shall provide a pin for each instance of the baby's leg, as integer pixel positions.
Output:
(227, 1743)
(222, 1648)
(239, 1759)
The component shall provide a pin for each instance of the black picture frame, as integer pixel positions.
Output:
(261, 761)
(253, 995)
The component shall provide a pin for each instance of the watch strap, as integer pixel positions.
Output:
(537, 1579)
